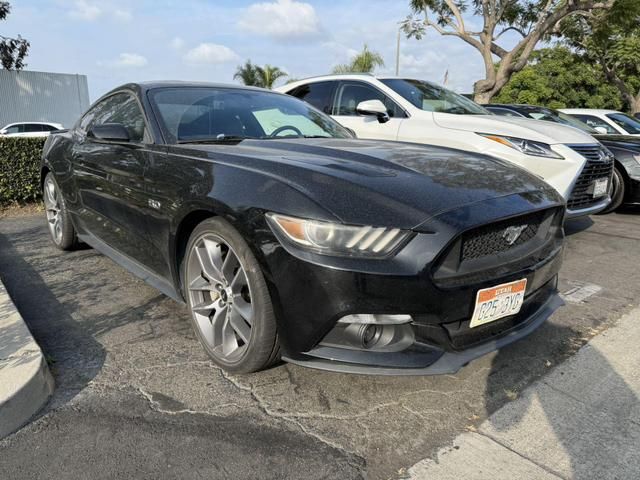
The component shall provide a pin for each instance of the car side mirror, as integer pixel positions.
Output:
(109, 132)
(601, 130)
(373, 107)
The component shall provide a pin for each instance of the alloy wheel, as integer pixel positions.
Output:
(220, 297)
(53, 210)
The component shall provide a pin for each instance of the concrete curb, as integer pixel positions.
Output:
(25, 381)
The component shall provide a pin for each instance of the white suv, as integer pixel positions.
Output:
(417, 111)
(606, 121)
(29, 129)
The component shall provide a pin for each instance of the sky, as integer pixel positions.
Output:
(118, 41)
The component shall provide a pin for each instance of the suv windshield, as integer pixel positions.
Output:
(626, 122)
(433, 98)
(219, 114)
(549, 115)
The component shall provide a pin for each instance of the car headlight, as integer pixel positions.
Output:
(337, 239)
(528, 147)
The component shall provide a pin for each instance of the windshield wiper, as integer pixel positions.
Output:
(288, 137)
(217, 139)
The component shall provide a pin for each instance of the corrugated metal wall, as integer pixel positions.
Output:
(42, 97)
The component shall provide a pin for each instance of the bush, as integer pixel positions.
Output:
(20, 169)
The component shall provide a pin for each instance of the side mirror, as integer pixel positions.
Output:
(373, 107)
(109, 132)
(601, 130)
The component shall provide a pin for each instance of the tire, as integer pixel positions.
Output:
(227, 296)
(61, 229)
(617, 192)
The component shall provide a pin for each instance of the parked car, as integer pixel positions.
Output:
(612, 121)
(422, 112)
(29, 129)
(625, 187)
(287, 237)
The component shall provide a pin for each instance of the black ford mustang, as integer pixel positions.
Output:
(288, 238)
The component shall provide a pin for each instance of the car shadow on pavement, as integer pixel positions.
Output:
(70, 345)
(588, 413)
(577, 225)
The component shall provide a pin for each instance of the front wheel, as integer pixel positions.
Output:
(231, 309)
(616, 192)
(58, 219)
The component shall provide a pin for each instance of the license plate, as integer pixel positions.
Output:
(600, 187)
(498, 302)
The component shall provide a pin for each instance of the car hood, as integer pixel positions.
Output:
(370, 182)
(529, 129)
(621, 141)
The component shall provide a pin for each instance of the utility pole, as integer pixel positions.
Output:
(398, 53)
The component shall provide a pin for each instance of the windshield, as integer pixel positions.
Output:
(191, 114)
(433, 98)
(626, 122)
(549, 115)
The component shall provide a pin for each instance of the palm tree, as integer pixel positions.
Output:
(364, 62)
(248, 74)
(268, 75)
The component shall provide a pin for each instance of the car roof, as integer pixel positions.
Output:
(33, 123)
(592, 111)
(143, 87)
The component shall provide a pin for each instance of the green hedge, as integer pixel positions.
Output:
(20, 169)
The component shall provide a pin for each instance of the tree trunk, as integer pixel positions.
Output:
(483, 97)
(635, 104)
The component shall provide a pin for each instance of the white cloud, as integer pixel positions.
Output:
(177, 43)
(83, 10)
(210, 53)
(130, 60)
(90, 11)
(281, 19)
(122, 15)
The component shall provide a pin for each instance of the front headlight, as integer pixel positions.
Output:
(528, 147)
(336, 239)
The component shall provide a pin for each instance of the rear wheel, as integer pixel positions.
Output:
(616, 192)
(58, 220)
(231, 309)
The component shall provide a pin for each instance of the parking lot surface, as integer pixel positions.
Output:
(137, 397)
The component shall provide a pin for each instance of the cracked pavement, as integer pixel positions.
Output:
(137, 397)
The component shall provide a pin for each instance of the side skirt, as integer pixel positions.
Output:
(132, 266)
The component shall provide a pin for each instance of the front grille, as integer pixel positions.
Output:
(597, 166)
(497, 237)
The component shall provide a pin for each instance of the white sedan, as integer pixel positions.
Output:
(30, 129)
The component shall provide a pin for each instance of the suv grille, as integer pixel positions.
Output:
(501, 236)
(599, 165)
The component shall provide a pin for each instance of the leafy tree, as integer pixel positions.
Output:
(611, 40)
(257, 76)
(12, 50)
(364, 62)
(532, 20)
(559, 78)
(268, 75)
(248, 74)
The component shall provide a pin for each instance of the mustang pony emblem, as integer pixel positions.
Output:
(512, 234)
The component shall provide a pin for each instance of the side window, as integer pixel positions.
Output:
(317, 94)
(594, 122)
(15, 129)
(48, 128)
(32, 127)
(119, 108)
(351, 94)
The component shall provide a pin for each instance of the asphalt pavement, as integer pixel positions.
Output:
(137, 397)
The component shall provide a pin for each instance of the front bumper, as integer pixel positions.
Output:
(311, 293)
(443, 362)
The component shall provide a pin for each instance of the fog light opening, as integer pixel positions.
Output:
(369, 335)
